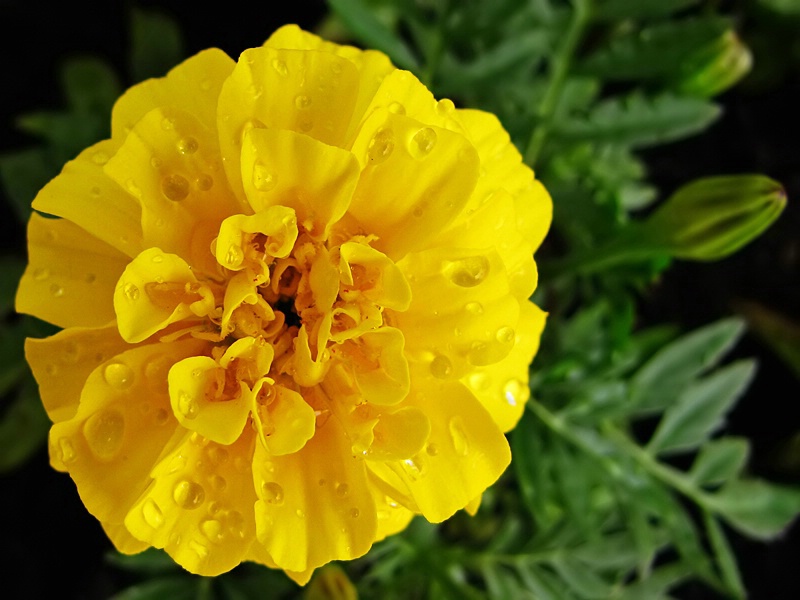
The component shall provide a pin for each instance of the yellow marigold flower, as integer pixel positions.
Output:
(294, 292)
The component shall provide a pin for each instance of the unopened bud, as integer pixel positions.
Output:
(716, 67)
(331, 583)
(711, 218)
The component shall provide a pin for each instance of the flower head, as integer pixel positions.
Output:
(294, 292)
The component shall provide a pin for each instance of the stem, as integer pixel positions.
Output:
(560, 66)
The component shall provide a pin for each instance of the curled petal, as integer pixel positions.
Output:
(247, 240)
(284, 421)
(400, 434)
(378, 364)
(371, 273)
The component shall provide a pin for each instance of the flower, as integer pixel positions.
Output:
(294, 292)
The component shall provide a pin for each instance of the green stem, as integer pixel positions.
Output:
(559, 69)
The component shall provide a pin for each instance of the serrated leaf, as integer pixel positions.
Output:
(156, 44)
(757, 508)
(360, 20)
(726, 562)
(656, 52)
(639, 121)
(23, 428)
(90, 85)
(616, 10)
(720, 460)
(583, 581)
(24, 173)
(700, 409)
(668, 372)
(174, 588)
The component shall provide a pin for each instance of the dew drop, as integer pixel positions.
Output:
(51, 370)
(415, 467)
(188, 494)
(469, 271)
(234, 256)
(198, 548)
(152, 514)
(131, 292)
(155, 162)
(422, 143)
(204, 183)
(354, 513)
(66, 450)
(188, 145)
(218, 455)
(218, 483)
(134, 189)
(432, 449)
(236, 524)
(263, 180)
(445, 107)
(380, 146)
(342, 490)
(300, 514)
(212, 529)
(441, 367)
(305, 125)
(397, 108)
(302, 102)
(272, 492)
(72, 353)
(187, 405)
(213, 507)
(505, 335)
(104, 432)
(100, 158)
(118, 376)
(56, 290)
(516, 392)
(280, 67)
(479, 381)
(458, 437)
(175, 187)
(41, 274)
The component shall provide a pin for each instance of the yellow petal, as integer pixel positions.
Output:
(68, 272)
(392, 517)
(422, 174)
(399, 434)
(461, 314)
(123, 541)
(157, 289)
(373, 275)
(85, 195)
(285, 168)
(122, 425)
(287, 422)
(474, 505)
(170, 161)
(239, 243)
(62, 362)
(318, 92)
(465, 453)
(199, 505)
(315, 505)
(192, 86)
(502, 387)
(378, 365)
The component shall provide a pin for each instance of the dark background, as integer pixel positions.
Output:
(47, 532)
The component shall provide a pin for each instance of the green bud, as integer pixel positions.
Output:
(711, 218)
(715, 68)
(331, 583)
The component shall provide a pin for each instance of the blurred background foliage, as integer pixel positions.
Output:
(656, 457)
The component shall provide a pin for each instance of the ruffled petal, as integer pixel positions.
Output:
(199, 505)
(315, 505)
(502, 387)
(318, 92)
(465, 453)
(285, 168)
(423, 175)
(123, 541)
(85, 195)
(170, 162)
(192, 86)
(285, 422)
(122, 425)
(68, 271)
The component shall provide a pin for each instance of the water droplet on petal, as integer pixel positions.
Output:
(66, 450)
(204, 183)
(263, 180)
(104, 432)
(187, 405)
(212, 529)
(198, 548)
(280, 67)
(444, 107)
(131, 292)
(300, 514)
(41, 274)
(505, 335)
(432, 449)
(188, 145)
(397, 108)
(218, 455)
(118, 376)
(188, 494)
(162, 416)
(516, 392)
(218, 483)
(236, 524)
(479, 381)
(175, 187)
(302, 102)
(272, 492)
(100, 158)
(56, 290)
(234, 256)
(458, 437)
(152, 514)
(354, 512)
(342, 490)
(469, 271)
(415, 467)
(422, 143)
(380, 146)
(441, 367)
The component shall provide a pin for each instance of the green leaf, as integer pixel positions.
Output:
(175, 588)
(668, 372)
(156, 44)
(720, 460)
(90, 85)
(359, 19)
(726, 562)
(616, 10)
(150, 562)
(23, 429)
(11, 269)
(612, 551)
(657, 584)
(656, 52)
(24, 173)
(67, 133)
(700, 409)
(639, 121)
(789, 8)
(756, 508)
(583, 581)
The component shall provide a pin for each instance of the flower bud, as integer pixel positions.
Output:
(331, 583)
(711, 218)
(716, 67)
